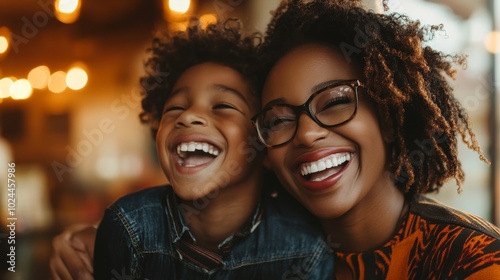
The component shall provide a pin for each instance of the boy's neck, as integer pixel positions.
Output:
(221, 216)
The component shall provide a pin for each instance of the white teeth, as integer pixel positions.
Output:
(182, 148)
(324, 163)
(321, 166)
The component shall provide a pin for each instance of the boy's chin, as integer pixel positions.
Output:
(197, 193)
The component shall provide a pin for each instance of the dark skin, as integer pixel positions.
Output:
(72, 253)
(350, 208)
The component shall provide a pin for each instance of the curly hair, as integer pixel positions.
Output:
(406, 80)
(172, 54)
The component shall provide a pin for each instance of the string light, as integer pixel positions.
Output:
(21, 89)
(57, 82)
(39, 77)
(76, 78)
(67, 11)
(179, 6)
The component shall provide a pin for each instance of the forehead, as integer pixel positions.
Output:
(305, 67)
(210, 77)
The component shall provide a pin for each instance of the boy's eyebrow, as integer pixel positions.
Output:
(217, 87)
(220, 87)
(174, 92)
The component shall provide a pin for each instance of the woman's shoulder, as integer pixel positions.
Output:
(439, 214)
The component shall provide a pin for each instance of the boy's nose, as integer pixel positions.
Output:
(190, 118)
(308, 131)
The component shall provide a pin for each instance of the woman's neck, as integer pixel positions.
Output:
(373, 222)
(214, 218)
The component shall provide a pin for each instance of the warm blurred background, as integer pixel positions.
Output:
(69, 101)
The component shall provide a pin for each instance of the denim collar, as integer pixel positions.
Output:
(178, 226)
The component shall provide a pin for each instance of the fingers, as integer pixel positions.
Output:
(70, 257)
(83, 252)
(66, 263)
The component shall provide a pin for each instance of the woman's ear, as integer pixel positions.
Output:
(388, 133)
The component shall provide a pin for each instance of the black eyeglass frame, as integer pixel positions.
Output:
(355, 84)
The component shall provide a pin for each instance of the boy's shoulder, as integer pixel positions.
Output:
(146, 198)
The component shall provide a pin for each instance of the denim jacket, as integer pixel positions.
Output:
(135, 240)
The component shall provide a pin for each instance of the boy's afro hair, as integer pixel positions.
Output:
(174, 53)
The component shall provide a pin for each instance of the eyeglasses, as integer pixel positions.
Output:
(330, 106)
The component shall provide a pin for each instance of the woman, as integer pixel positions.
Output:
(360, 122)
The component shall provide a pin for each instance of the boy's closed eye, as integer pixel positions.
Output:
(172, 108)
(225, 106)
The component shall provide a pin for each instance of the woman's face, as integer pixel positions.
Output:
(356, 147)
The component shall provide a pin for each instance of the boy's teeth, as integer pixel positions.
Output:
(324, 163)
(182, 148)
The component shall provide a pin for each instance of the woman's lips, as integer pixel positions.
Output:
(323, 172)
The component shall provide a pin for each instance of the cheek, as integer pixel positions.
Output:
(240, 130)
(276, 159)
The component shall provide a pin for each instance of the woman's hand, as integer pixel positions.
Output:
(73, 253)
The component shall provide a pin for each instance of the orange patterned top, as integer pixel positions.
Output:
(435, 241)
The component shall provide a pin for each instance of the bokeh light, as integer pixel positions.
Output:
(57, 82)
(492, 42)
(21, 89)
(39, 77)
(179, 6)
(4, 44)
(76, 78)
(5, 84)
(67, 11)
(207, 19)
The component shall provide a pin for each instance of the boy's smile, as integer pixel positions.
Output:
(194, 152)
(203, 137)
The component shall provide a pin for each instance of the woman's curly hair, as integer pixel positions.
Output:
(406, 80)
(172, 54)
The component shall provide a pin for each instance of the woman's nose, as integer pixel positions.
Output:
(308, 131)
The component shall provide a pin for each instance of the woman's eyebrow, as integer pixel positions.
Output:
(280, 100)
(323, 85)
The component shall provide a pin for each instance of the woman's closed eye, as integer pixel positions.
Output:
(334, 102)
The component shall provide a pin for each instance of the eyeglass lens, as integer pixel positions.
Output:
(332, 106)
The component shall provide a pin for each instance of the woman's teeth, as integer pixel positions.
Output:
(328, 162)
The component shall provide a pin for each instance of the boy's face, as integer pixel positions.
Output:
(205, 134)
(352, 155)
